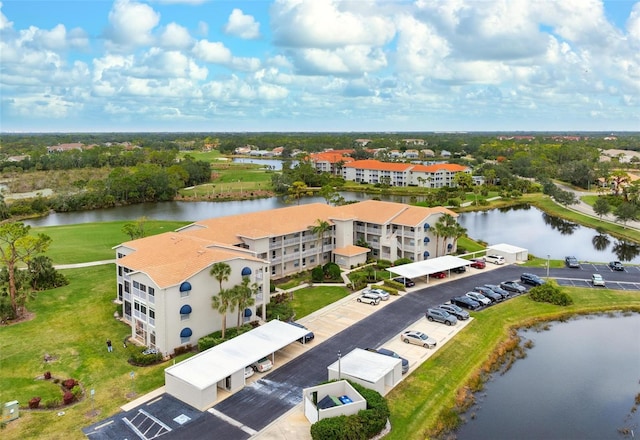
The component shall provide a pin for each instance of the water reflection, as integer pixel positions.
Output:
(563, 226)
(600, 241)
(626, 251)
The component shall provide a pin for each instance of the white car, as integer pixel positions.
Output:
(248, 372)
(476, 296)
(369, 298)
(495, 259)
(262, 365)
(382, 294)
(597, 280)
(417, 338)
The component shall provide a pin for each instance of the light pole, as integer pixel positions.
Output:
(339, 366)
(548, 256)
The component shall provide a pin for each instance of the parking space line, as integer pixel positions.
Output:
(231, 421)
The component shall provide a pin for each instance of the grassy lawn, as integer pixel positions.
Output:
(94, 241)
(232, 178)
(71, 324)
(418, 402)
(308, 300)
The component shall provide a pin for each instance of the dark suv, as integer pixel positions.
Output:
(529, 278)
(308, 337)
(572, 262)
(407, 282)
(616, 265)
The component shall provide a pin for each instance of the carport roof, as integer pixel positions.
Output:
(365, 365)
(211, 366)
(427, 267)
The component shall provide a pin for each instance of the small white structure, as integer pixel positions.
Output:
(511, 254)
(196, 380)
(427, 267)
(331, 400)
(378, 373)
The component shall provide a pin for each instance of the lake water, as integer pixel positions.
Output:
(579, 381)
(525, 226)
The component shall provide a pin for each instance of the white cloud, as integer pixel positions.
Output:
(329, 24)
(175, 36)
(131, 24)
(243, 26)
(212, 52)
(4, 22)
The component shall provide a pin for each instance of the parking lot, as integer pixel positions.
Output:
(616, 280)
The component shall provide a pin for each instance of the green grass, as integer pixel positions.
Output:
(72, 324)
(417, 403)
(308, 300)
(94, 241)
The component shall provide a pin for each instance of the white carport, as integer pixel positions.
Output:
(195, 381)
(511, 254)
(427, 267)
(368, 369)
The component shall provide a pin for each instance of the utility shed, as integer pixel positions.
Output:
(379, 373)
(331, 400)
(427, 267)
(511, 254)
(196, 380)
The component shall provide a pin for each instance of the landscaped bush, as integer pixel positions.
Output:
(47, 375)
(383, 264)
(394, 285)
(34, 402)
(215, 338)
(280, 308)
(317, 274)
(332, 271)
(141, 359)
(364, 425)
(550, 292)
(401, 261)
(68, 397)
(69, 384)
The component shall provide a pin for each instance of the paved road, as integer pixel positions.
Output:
(262, 402)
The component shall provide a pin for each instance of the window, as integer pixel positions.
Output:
(120, 255)
(184, 294)
(127, 286)
(143, 287)
(119, 270)
(152, 314)
(143, 309)
(136, 285)
(152, 291)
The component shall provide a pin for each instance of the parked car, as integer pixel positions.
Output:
(440, 315)
(465, 301)
(479, 297)
(597, 280)
(505, 293)
(369, 298)
(493, 296)
(460, 269)
(439, 275)
(529, 278)
(418, 338)
(616, 265)
(407, 282)
(513, 286)
(306, 338)
(262, 365)
(478, 263)
(391, 353)
(248, 372)
(382, 294)
(495, 259)
(572, 262)
(455, 311)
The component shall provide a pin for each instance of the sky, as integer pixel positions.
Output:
(319, 65)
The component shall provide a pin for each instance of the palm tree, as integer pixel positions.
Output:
(223, 302)
(221, 272)
(440, 230)
(319, 229)
(244, 296)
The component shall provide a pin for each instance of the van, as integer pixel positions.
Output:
(495, 259)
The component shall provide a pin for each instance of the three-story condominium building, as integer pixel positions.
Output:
(403, 174)
(164, 281)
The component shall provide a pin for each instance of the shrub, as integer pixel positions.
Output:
(69, 384)
(401, 261)
(51, 404)
(332, 271)
(551, 293)
(141, 359)
(68, 397)
(34, 402)
(394, 285)
(47, 375)
(317, 274)
(383, 264)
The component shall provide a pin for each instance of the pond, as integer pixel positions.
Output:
(524, 226)
(580, 381)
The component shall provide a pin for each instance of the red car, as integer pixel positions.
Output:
(478, 263)
(439, 275)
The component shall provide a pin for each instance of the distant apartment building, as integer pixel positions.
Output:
(331, 161)
(403, 174)
(164, 282)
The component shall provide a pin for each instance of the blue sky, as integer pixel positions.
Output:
(319, 65)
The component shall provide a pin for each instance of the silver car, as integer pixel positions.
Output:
(440, 315)
(418, 338)
(479, 297)
(382, 294)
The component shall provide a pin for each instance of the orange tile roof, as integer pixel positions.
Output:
(172, 257)
(331, 156)
(371, 164)
(351, 250)
(452, 167)
(374, 211)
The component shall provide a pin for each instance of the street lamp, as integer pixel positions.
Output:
(339, 366)
(548, 256)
